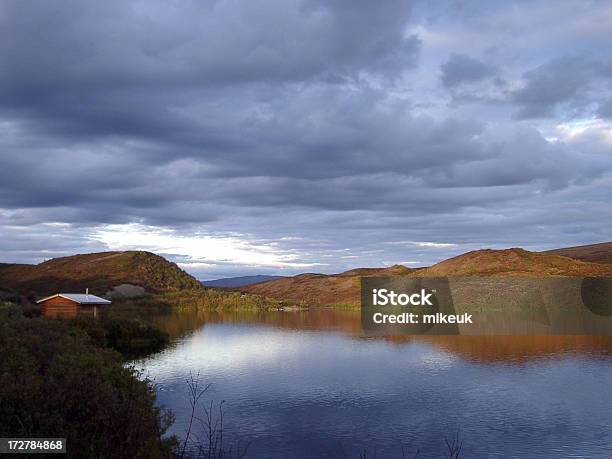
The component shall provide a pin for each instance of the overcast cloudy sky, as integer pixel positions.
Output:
(282, 136)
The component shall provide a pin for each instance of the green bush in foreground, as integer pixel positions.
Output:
(54, 381)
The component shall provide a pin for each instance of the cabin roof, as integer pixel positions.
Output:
(81, 298)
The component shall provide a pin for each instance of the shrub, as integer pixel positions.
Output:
(55, 382)
(132, 336)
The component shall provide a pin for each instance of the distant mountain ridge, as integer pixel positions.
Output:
(240, 281)
(99, 272)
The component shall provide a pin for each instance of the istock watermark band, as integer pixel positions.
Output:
(405, 305)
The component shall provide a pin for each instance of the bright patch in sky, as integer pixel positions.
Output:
(601, 128)
(431, 245)
(201, 249)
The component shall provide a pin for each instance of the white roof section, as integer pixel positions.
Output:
(81, 298)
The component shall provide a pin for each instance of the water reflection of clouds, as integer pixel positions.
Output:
(236, 349)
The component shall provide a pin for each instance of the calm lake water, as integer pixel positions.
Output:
(305, 385)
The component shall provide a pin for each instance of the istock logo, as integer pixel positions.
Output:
(384, 297)
(404, 305)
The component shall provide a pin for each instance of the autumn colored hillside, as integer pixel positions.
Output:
(335, 289)
(97, 271)
(343, 288)
(514, 262)
(100, 272)
(595, 253)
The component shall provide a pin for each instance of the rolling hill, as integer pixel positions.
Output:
(343, 288)
(323, 289)
(594, 253)
(99, 272)
(514, 262)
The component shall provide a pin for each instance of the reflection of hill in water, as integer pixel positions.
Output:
(514, 348)
(178, 323)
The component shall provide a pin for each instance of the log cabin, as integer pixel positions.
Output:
(69, 304)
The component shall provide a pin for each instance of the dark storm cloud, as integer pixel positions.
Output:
(118, 45)
(460, 68)
(109, 69)
(548, 87)
(318, 129)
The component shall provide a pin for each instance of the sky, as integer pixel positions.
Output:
(284, 136)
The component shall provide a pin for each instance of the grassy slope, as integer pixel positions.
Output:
(514, 262)
(344, 288)
(335, 289)
(594, 253)
(99, 272)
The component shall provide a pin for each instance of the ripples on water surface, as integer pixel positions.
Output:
(304, 385)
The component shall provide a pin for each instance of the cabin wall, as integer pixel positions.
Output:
(59, 306)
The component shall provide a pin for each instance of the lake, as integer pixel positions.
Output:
(306, 385)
